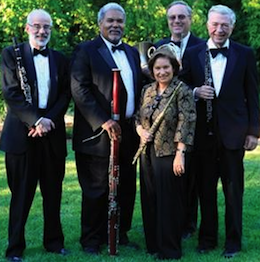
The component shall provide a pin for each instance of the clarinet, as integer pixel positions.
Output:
(156, 123)
(209, 106)
(113, 206)
(22, 73)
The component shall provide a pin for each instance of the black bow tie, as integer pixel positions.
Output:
(43, 52)
(178, 43)
(118, 47)
(214, 52)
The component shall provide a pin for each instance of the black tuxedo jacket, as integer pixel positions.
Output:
(21, 116)
(193, 40)
(237, 106)
(91, 83)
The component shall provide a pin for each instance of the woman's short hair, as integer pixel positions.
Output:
(165, 51)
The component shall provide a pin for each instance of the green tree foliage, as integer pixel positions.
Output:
(76, 20)
(251, 10)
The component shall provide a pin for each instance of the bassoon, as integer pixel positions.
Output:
(113, 206)
(156, 123)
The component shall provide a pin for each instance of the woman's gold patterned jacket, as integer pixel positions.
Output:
(178, 124)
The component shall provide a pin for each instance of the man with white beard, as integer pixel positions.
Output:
(36, 90)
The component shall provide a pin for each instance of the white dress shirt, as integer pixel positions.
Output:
(180, 50)
(42, 69)
(126, 73)
(218, 65)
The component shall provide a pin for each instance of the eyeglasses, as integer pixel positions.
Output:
(222, 26)
(37, 27)
(180, 17)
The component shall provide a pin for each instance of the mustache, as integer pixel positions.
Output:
(42, 35)
(115, 28)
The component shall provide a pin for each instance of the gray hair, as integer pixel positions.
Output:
(107, 7)
(188, 8)
(36, 12)
(223, 10)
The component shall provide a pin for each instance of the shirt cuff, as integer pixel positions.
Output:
(194, 94)
(38, 121)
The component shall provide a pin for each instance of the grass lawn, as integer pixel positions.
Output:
(70, 213)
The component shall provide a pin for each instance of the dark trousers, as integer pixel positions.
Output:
(93, 178)
(191, 197)
(23, 173)
(228, 165)
(162, 205)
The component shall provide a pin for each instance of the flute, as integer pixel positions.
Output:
(156, 123)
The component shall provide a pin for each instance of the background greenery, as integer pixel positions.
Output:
(76, 20)
(70, 214)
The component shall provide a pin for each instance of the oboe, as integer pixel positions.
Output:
(209, 82)
(113, 206)
(156, 123)
(22, 73)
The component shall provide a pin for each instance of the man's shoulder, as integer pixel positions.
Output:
(93, 43)
(131, 48)
(239, 46)
(57, 52)
(10, 48)
(194, 40)
(163, 41)
(196, 48)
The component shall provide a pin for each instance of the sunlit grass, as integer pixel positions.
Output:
(70, 214)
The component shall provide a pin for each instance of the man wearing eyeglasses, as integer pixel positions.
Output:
(37, 94)
(179, 15)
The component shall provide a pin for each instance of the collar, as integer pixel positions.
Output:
(32, 47)
(211, 44)
(109, 44)
(184, 40)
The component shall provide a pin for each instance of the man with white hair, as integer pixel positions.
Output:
(91, 84)
(36, 91)
(223, 76)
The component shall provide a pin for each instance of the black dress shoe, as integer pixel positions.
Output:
(92, 250)
(124, 241)
(162, 257)
(229, 253)
(186, 235)
(204, 250)
(14, 259)
(62, 251)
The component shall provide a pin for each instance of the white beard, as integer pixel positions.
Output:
(41, 43)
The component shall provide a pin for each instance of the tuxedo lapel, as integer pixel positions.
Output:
(105, 53)
(53, 78)
(191, 41)
(231, 64)
(202, 55)
(130, 57)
